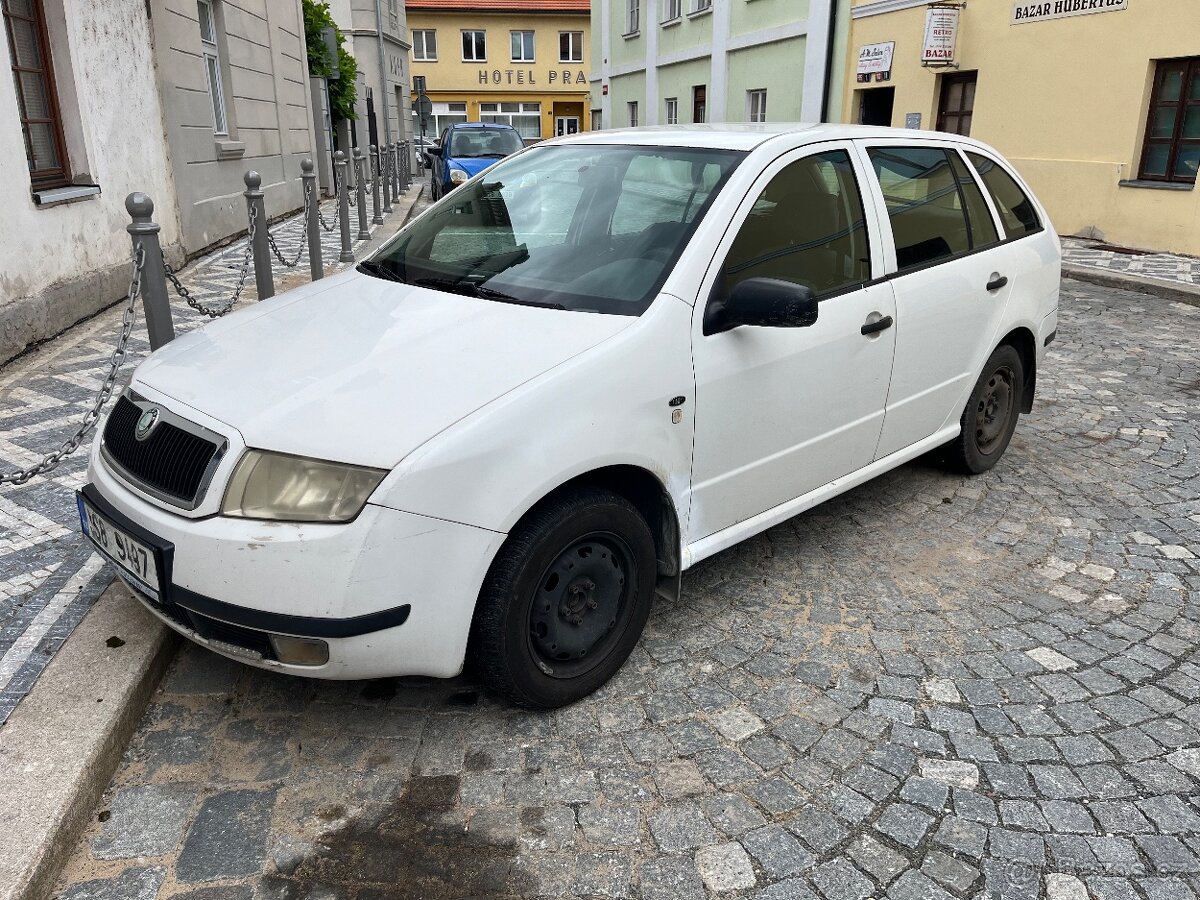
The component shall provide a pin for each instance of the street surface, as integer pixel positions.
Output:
(930, 687)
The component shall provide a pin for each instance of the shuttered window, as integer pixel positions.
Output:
(37, 102)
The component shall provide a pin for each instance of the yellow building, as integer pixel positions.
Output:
(520, 62)
(1096, 102)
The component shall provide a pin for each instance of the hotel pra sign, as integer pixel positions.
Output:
(1060, 9)
(549, 78)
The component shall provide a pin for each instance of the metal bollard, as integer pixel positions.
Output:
(339, 164)
(155, 302)
(385, 176)
(364, 233)
(394, 182)
(312, 224)
(256, 209)
(406, 164)
(377, 214)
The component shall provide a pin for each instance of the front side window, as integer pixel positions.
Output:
(37, 103)
(212, 65)
(424, 43)
(756, 101)
(807, 227)
(570, 46)
(1172, 146)
(474, 46)
(585, 227)
(924, 204)
(1016, 209)
(522, 46)
(672, 110)
(632, 16)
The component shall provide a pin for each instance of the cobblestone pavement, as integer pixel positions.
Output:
(49, 576)
(931, 687)
(1098, 255)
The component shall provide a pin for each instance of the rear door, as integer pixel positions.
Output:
(949, 271)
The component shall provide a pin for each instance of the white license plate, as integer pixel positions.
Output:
(124, 551)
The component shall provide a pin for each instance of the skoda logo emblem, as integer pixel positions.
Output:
(145, 423)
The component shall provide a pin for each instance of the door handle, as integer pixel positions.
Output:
(874, 327)
(998, 281)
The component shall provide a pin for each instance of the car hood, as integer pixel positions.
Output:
(473, 165)
(361, 370)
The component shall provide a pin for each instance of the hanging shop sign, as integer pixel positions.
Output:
(941, 35)
(1059, 9)
(875, 59)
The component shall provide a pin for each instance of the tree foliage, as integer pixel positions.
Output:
(343, 91)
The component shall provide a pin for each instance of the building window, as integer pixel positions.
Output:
(1172, 150)
(425, 45)
(597, 120)
(525, 117)
(672, 9)
(672, 110)
(756, 105)
(474, 46)
(570, 46)
(522, 46)
(394, 14)
(212, 64)
(957, 103)
(633, 114)
(701, 5)
(632, 16)
(446, 114)
(37, 102)
(699, 104)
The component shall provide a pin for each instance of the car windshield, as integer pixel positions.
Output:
(471, 143)
(582, 227)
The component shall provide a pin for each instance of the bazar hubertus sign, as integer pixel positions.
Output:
(1058, 9)
(528, 76)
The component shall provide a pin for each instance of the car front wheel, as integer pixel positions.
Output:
(566, 599)
(991, 414)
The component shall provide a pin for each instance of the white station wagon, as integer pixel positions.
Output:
(583, 371)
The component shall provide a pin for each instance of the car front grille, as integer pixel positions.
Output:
(171, 462)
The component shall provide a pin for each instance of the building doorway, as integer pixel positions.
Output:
(875, 106)
(957, 103)
(566, 125)
(699, 103)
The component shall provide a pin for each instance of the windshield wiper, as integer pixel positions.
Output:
(379, 270)
(471, 289)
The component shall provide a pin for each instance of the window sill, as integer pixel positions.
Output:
(570, 62)
(697, 13)
(669, 23)
(72, 193)
(630, 35)
(227, 149)
(424, 60)
(1156, 185)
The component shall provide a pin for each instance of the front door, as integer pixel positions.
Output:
(783, 411)
(566, 125)
(950, 283)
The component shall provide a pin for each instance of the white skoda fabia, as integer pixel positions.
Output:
(583, 371)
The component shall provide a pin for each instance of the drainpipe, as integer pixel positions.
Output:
(383, 85)
(825, 94)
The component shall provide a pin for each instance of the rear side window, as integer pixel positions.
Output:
(924, 204)
(983, 227)
(1016, 210)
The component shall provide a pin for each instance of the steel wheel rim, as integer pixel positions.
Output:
(994, 410)
(579, 603)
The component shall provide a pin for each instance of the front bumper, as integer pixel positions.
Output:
(391, 593)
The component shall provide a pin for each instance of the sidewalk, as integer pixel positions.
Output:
(1164, 274)
(49, 576)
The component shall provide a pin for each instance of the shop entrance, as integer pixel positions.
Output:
(875, 106)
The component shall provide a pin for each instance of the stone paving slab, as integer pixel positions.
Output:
(1169, 267)
(930, 687)
(49, 577)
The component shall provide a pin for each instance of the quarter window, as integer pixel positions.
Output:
(570, 46)
(1172, 149)
(983, 227)
(1016, 209)
(806, 227)
(474, 46)
(929, 221)
(212, 65)
(425, 45)
(37, 103)
(522, 46)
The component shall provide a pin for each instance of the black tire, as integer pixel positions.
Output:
(991, 414)
(566, 599)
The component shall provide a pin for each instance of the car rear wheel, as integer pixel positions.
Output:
(566, 599)
(991, 414)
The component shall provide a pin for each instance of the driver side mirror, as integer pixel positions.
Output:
(434, 151)
(767, 302)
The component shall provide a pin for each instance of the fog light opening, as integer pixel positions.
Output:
(298, 651)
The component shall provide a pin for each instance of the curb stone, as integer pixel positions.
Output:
(60, 747)
(1142, 284)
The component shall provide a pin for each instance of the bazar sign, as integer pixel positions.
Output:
(1058, 9)
(528, 76)
(941, 34)
(876, 58)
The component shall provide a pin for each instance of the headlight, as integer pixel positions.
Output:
(295, 489)
(458, 176)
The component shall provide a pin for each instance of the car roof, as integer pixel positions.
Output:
(746, 136)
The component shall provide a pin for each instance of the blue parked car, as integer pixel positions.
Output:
(467, 149)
